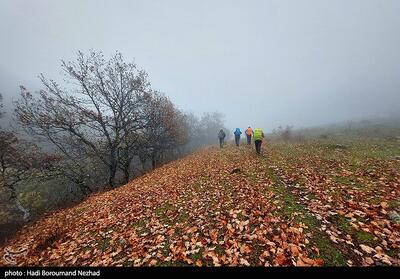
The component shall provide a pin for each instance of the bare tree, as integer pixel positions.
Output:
(104, 116)
(286, 133)
(96, 116)
(210, 124)
(165, 130)
(192, 124)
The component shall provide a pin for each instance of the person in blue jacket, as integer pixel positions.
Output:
(237, 134)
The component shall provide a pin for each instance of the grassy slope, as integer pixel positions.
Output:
(308, 204)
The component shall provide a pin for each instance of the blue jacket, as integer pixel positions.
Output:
(237, 132)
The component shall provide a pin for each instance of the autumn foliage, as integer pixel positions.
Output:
(196, 211)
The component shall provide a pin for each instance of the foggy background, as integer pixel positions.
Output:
(260, 63)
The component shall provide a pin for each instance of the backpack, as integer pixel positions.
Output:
(249, 131)
(221, 134)
(237, 132)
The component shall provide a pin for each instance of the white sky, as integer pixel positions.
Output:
(261, 63)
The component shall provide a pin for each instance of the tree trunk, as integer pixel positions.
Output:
(153, 162)
(126, 172)
(111, 177)
(85, 189)
(113, 169)
(23, 210)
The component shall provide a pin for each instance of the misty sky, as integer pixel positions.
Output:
(261, 63)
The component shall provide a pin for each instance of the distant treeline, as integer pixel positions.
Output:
(102, 127)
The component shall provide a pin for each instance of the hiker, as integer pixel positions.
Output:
(237, 134)
(249, 132)
(258, 137)
(221, 136)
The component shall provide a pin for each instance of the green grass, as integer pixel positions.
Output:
(395, 204)
(328, 252)
(394, 253)
(366, 238)
(140, 226)
(104, 244)
(198, 255)
(162, 211)
(331, 255)
(360, 156)
(219, 249)
(178, 232)
(165, 249)
(342, 179)
(311, 196)
(183, 217)
(342, 223)
(375, 200)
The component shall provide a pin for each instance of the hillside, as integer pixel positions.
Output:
(298, 204)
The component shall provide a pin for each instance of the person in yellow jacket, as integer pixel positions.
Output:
(258, 137)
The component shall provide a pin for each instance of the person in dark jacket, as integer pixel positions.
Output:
(237, 134)
(221, 136)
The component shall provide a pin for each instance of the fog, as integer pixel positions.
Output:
(260, 63)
